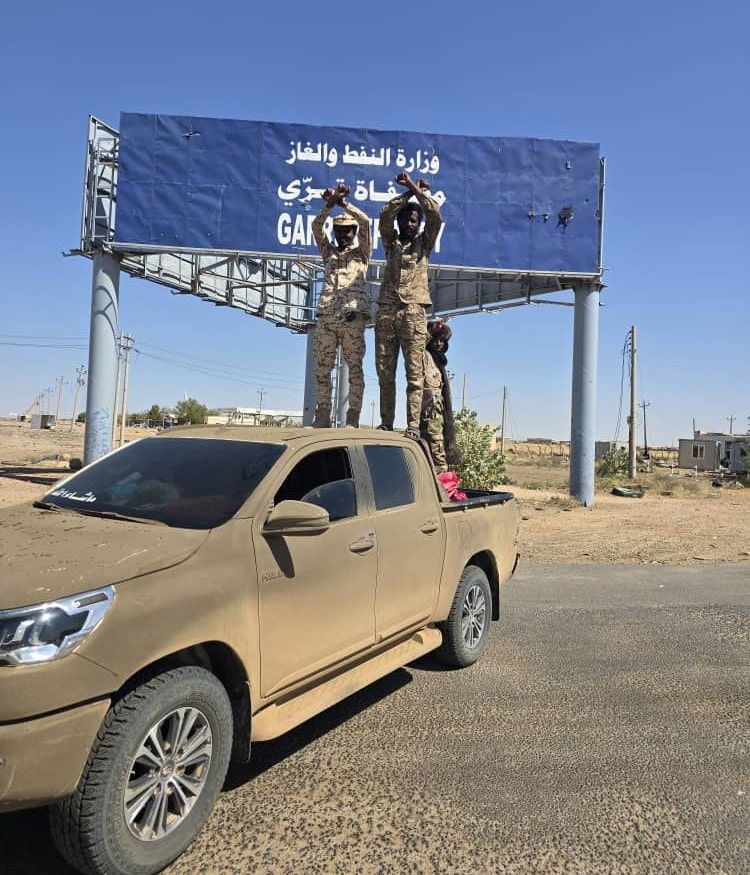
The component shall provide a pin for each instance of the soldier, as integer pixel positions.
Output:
(404, 295)
(436, 425)
(343, 306)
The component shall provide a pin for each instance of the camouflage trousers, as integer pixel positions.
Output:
(405, 329)
(431, 425)
(330, 333)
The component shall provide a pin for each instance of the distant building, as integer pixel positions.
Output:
(255, 416)
(42, 420)
(709, 451)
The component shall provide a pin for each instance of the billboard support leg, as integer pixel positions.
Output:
(100, 395)
(583, 406)
(311, 393)
(342, 390)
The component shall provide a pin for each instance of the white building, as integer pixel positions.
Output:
(255, 416)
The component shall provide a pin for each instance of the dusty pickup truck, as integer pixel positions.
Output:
(196, 591)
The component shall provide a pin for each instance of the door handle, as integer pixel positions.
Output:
(429, 527)
(363, 544)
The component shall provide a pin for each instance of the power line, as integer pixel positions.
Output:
(187, 366)
(44, 345)
(625, 353)
(232, 368)
(42, 337)
(208, 367)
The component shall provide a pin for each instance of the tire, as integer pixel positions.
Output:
(168, 798)
(466, 631)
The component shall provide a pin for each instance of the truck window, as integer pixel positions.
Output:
(391, 474)
(189, 482)
(338, 498)
(323, 478)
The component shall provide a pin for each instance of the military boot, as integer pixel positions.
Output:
(352, 418)
(322, 417)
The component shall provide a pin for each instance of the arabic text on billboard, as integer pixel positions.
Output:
(243, 186)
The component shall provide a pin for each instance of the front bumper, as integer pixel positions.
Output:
(42, 759)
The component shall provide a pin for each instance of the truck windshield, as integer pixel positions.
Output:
(192, 483)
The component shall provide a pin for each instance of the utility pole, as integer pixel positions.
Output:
(463, 394)
(261, 393)
(632, 421)
(80, 381)
(372, 414)
(730, 420)
(644, 405)
(502, 422)
(129, 341)
(60, 382)
(117, 390)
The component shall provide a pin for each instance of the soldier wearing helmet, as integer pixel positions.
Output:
(436, 424)
(404, 297)
(343, 306)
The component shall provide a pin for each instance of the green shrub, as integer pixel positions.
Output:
(615, 463)
(480, 467)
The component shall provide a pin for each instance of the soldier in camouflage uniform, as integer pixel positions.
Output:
(343, 306)
(404, 297)
(436, 422)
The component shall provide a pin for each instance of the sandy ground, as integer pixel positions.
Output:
(679, 520)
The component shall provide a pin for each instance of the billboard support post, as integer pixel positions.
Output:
(583, 406)
(311, 395)
(100, 398)
(342, 389)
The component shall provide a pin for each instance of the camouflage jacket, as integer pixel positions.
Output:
(433, 378)
(405, 279)
(345, 279)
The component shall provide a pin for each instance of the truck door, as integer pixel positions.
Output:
(316, 591)
(410, 530)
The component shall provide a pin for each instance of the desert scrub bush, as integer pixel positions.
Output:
(614, 464)
(561, 502)
(544, 485)
(481, 467)
(663, 484)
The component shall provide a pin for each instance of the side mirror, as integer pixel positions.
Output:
(296, 518)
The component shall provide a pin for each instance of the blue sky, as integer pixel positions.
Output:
(662, 86)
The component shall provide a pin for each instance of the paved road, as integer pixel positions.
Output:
(606, 730)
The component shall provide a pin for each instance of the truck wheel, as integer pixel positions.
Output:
(466, 629)
(152, 777)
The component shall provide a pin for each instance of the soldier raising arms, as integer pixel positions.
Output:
(404, 295)
(343, 306)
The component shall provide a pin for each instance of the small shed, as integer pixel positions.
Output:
(739, 456)
(42, 420)
(704, 453)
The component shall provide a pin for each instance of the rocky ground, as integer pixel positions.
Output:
(681, 519)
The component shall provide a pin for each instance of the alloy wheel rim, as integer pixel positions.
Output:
(473, 616)
(168, 773)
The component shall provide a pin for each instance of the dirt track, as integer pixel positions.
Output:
(696, 523)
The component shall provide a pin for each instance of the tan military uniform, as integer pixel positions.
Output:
(404, 295)
(343, 310)
(432, 419)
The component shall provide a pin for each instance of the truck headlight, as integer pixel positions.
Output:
(41, 633)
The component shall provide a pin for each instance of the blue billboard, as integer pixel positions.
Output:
(245, 186)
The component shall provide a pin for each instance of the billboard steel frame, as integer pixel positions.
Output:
(283, 289)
